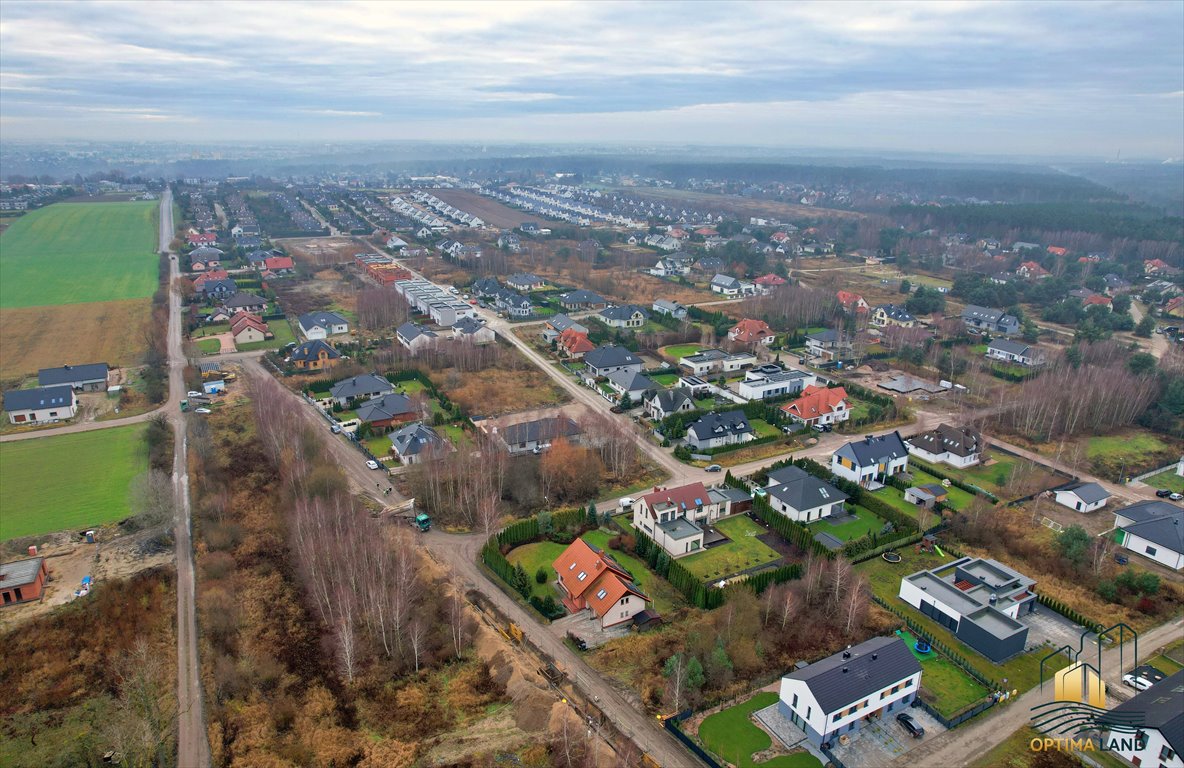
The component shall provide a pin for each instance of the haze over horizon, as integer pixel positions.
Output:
(1053, 79)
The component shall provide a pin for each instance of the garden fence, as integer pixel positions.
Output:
(671, 725)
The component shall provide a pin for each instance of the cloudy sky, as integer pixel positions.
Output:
(1085, 78)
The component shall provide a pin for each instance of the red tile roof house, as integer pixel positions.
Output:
(770, 282)
(279, 264)
(820, 405)
(1057, 251)
(574, 343)
(1157, 266)
(852, 302)
(590, 579)
(752, 332)
(1097, 300)
(213, 274)
(204, 238)
(1032, 269)
(674, 517)
(247, 328)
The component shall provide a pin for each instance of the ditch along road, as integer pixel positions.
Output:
(193, 749)
(968, 743)
(459, 554)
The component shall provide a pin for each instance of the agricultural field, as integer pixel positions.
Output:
(744, 551)
(731, 734)
(492, 212)
(44, 337)
(96, 471)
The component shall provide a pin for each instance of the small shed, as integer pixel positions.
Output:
(1082, 497)
(926, 495)
(214, 387)
(22, 580)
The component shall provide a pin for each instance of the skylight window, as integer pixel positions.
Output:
(602, 594)
(582, 575)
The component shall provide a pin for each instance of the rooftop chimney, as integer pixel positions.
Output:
(874, 655)
(844, 670)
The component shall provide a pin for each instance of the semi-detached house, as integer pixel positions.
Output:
(590, 579)
(674, 517)
(871, 460)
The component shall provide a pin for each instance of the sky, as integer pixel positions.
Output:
(995, 78)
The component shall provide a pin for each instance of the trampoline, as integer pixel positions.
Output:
(891, 557)
(922, 647)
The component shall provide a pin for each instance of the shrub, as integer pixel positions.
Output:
(541, 575)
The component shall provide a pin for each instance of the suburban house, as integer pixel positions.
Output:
(843, 692)
(213, 274)
(359, 388)
(1083, 497)
(673, 517)
(280, 265)
(575, 344)
(582, 299)
(1032, 270)
(1154, 529)
(891, 314)
(631, 383)
(1159, 712)
(414, 443)
(671, 266)
(529, 435)
(978, 600)
(486, 286)
(852, 302)
(510, 241)
(589, 579)
(473, 331)
(605, 360)
(40, 405)
(525, 282)
(800, 496)
(749, 331)
(731, 286)
(559, 323)
(990, 320)
(205, 257)
(22, 580)
(414, 336)
(956, 446)
(1018, 352)
(828, 345)
(926, 495)
(315, 355)
(770, 282)
(320, 325)
(248, 328)
(663, 402)
(709, 264)
(819, 405)
(716, 430)
(625, 316)
(91, 377)
(770, 381)
(245, 302)
(387, 411)
(201, 238)
(216, 289)
(512, 303)
(707, 360)
(671, 308)
(871, 460)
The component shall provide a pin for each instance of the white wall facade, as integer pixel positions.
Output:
(1155, 752)
(1156, 552)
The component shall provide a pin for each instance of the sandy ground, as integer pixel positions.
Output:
(322, 250)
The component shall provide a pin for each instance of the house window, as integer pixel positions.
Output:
(794, 705)
(571, 567)
(582, 575)
(808, 711)
(1150, 550)
(1166, 753)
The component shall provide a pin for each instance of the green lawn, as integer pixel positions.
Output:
(744, 551)
(92, 476)
(210, 330)
(705, 403)
(209, 346)
(283, 335)
(665, 379)
(865, 522)
(731, 734)
(957, 498)
(380, 446)
(1170, 660)
(895, 498)
(678, 351)
(944, 685)
(75, 253)
(1166, 479)
(455, 434)
(763, 428)
(411, 387)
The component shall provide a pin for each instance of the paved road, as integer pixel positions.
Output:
(969, 742)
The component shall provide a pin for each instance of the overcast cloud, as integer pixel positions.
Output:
(1087, 78)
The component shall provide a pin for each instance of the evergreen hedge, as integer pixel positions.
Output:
(1069, 613)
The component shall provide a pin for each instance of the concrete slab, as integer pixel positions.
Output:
(879, 742)
(586, 626)
(1046, 625)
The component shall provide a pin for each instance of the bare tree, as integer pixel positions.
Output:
(855, 606)
(152, 499)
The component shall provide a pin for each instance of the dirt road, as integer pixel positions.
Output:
(1158, 344)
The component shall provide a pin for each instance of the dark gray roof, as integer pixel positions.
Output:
(958, 441)
(804, 491)
(1156, 521)
(20, 572)
(309, 350)
(206, 253)
(669, 400)
(1010, 347)
(829, 336)
(468, 325)
(385, 407)
(69, 374)
(413, 439)
(243, 299)
(1088, 492)
(39, 397)
(624, 312)
(1162, 707)
(410, 331)
(725, 281)
(324, 319)
(727, 493)
(874, 450)
(366, 384)
(610, 355)
(540, 429)
(873, 665)
(487, 285)
(897, 312)
(581, 296)
(785, 475)
(221, 285)
(562, 322)
(680, 528)
(524, 279)
(720, 424)
(706, 356)
(631, 381)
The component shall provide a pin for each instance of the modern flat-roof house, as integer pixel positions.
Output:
(1154, 529)
(590, 579)
(1018, 352)
(22, 580)
(977, 599)
(663, 402)
(674, 517)
(819, 405)
(414, 443)
(766, 383)
(1083, 497)
(610, 358)
(800, 496)
(1159, 712)
(360, 388)
(414, 336)
(716, 430)
(91, 377)
(624, 316)
(990, 320)
(870, 460)
(314, 355)
(843, 692)
(41, 405)
(702, 362)
(529, 435)
(387, 411)
(956, 446)
(320, 325)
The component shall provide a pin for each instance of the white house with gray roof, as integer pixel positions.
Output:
(1018, 352)
(624, 316)
(716, 430)
(360, 388)
(631, 383)
(800, 496)
(320, 325)
(843, 692)
(871, 460)
(414, 336)
(1083, 497)
(727, 285)
(610, 358)
(1154, 529)
(671, 308)
(990, 320)
(417, 442)
(41, 405)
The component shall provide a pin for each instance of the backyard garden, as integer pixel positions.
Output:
(732, 735)
(743, 551)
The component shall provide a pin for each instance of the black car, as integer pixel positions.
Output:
(910, 725)
(1163, 493)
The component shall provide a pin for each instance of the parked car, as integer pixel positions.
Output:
(372, 463)
(202, 411)
(191, 393)
(335, 429)
(1176, 496)
(1143, 677)
(616, 409)
(1121, 559)
(909, 724)
(713, 468)
(1162, 493)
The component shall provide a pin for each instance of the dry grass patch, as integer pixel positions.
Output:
(43, 337)
(322, 250)
(493, 391)
(490, 211)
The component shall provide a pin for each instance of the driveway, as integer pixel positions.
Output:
(881, 741)
(586, 626)
(1046, 625)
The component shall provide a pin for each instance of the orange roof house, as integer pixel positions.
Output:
(852, 301)
(1097, 300)
(279, 263)
(1032, 269)
(213, 274)
(749, 331)
(770, 281)
(574, 343)
(589, 578)
(1057, 251)
(819, 405)
(1174, 307)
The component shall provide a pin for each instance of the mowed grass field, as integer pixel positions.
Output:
(71, 253)
(68, 482)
